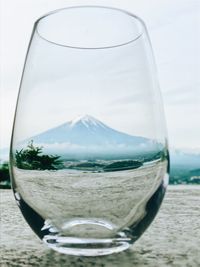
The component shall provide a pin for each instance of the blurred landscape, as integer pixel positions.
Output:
(184, 169)
(103, 149)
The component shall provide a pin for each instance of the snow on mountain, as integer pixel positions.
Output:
(87, 137)
(87, 131)
(87, 120)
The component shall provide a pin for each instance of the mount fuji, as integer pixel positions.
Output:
(87, 131)
(87, 136)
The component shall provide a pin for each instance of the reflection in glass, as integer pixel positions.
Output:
(89, 153)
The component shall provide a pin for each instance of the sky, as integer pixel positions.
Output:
(174, 30)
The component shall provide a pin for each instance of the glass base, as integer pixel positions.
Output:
(86, 246)
(90, 236)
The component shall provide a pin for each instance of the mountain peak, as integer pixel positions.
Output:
(84, 117)
(86, 120)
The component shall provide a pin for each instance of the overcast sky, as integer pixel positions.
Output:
(174, 29)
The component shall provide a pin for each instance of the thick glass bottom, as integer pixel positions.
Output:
(86, 246)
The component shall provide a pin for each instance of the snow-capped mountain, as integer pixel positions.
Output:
(87, 137)
(87, 131)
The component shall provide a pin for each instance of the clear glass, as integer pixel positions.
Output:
(89, 156)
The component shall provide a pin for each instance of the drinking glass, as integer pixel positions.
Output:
(89, 156)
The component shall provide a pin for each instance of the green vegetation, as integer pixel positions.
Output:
(31, 158)
(4, 176)
(87, 166)
(106, 166)
(178, 175)
(123, 165)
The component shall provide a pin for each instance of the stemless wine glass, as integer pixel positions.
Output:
(89, 156)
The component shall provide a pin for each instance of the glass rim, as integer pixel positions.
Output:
(125, 12)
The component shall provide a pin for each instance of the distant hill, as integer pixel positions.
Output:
(185, 167)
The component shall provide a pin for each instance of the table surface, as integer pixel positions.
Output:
(173, 239)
